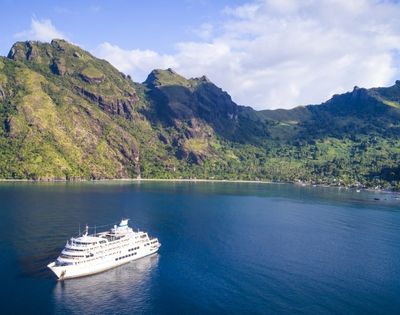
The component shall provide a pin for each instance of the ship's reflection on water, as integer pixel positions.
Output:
(125, 289)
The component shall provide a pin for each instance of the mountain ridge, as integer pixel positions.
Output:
(69, 115)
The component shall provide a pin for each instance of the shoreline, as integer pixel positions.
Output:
(142, 180)
(192, 180)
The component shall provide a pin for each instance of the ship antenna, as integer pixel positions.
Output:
(86, 230)
(79, 230)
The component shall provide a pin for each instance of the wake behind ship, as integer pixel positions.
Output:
(90, 254)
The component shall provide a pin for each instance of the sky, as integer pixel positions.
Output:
(265, 53)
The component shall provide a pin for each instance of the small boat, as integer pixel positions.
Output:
(89, 254)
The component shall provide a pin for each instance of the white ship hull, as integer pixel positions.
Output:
(76, 271)
(89, 254)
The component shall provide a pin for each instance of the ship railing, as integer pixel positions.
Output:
(76, 245)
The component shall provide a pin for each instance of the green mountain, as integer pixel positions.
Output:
(67, 115)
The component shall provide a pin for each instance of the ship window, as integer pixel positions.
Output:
(70, 256)
(58, 263)
(75, 249)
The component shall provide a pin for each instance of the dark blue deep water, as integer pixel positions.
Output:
(226, 249)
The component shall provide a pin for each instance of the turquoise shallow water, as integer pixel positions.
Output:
(226, 249)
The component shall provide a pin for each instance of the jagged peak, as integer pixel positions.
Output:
(168, 72)
(202, 79)
(30, 50)
(167, 77)
(60, 57)
(19, 50)
(60, 41)
(161, 77)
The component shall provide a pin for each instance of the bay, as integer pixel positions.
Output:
(227, 248)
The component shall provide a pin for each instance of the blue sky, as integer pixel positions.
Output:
(265, 53)
(155, 25)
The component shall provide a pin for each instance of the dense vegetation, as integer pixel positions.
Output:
(67, 115)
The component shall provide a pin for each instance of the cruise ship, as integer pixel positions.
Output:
(89, 254)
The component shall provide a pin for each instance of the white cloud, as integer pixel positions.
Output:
(283, 53)
(136, 62)
(42, 30)
(205, 31)
(243, 11)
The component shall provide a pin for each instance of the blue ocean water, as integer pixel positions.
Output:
(227, 248)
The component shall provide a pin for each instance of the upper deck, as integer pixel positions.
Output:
(117, 233)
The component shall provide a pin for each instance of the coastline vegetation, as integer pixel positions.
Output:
(66, 115)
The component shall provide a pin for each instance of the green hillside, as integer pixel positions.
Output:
(68, 115)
